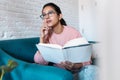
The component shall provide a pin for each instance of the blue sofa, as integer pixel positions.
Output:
(22, 51)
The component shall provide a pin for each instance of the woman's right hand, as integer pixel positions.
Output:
(44, 29)
(45, 32)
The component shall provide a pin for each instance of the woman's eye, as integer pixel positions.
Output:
(44, 14)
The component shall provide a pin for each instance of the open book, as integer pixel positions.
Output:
(76, 51)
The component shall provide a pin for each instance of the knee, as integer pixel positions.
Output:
(89, 72)
(36, 57)
(39, 59)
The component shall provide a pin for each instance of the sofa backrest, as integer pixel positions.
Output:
(23, 49)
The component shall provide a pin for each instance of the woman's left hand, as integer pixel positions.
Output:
(68, 65)
(71, 66)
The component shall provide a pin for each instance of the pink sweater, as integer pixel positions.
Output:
(67, 34)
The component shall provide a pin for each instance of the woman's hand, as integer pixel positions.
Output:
(45, 33)
(71, 66)
(44, 29)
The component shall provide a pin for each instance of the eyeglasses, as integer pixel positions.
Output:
(50, 13)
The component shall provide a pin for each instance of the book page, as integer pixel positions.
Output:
(51, 54)
(76, 42)
(51, 45)
(79, 54)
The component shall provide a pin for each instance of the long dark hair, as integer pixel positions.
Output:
(58, 11)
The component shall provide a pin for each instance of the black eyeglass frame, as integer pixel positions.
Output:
(50, 13)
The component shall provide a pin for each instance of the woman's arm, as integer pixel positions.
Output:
(41, 40)
(44, 30)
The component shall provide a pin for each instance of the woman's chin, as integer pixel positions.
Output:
(49, 25)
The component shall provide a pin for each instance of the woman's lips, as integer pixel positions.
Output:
(48, 21)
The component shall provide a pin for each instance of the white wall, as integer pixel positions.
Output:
(101, 18)
(87, 22)
(20, 18)
(87, 18)
(108, 22)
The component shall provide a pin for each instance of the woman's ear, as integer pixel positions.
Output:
(60, 16)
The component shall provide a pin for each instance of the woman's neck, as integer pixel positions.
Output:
(58, 29)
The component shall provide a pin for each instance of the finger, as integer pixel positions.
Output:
(69, 63)
(68, 67)
(61, 62)
(44, 28)
(44, 23)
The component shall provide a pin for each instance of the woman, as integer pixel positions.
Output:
(55, 31)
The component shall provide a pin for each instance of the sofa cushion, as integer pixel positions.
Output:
(31, 71)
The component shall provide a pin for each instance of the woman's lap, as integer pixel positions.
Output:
(89, 72)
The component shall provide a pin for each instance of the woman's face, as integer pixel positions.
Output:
(50, 16)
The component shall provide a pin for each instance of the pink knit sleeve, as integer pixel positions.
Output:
(39, 59)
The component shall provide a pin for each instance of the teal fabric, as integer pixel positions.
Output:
(23, 49)
(20, 49)
(31, 71)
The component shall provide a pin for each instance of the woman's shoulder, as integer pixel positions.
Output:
(72, 31)
(70, 28)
